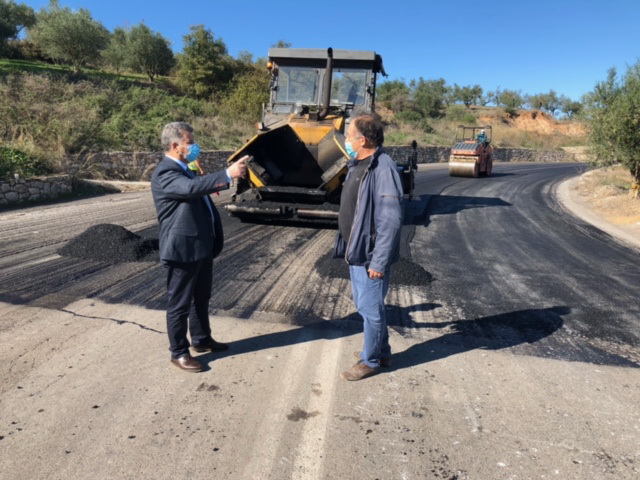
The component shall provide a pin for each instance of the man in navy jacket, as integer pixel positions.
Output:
(369, 226)
(190, 238)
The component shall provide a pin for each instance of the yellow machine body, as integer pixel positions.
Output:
(298, 161)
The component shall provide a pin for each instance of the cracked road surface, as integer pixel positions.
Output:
(518, 358)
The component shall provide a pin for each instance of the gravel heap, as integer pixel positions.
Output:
(404, 272)
(112, 244)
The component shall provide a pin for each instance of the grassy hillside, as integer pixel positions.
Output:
(49, 113)
(28, 66)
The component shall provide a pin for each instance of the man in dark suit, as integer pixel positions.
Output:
(190, 238)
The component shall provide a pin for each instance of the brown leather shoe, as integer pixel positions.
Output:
(358, 372)
(210, 345)
(384, 361)
(187, 363)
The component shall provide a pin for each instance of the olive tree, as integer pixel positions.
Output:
(468, 94)
(549, 102)
(511, 100)
(536, 101)
(613, 114)
(394, 95)
(149, 52)
(571, 107)
(13, 18)
(70, 36)
(429, 97)
(282, 44)
(205, 66)
(552, 102)
(489, 97)
(116, 55)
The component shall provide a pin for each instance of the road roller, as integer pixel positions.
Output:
(471, 156)
(297, 159)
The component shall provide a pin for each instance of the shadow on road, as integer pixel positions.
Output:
(496, 332)
(308, 333)
(419, 211)
(493, 332)
(317, 329)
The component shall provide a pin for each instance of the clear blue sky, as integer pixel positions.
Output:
(565, 45)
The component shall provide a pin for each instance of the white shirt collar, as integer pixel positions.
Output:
(178, 161)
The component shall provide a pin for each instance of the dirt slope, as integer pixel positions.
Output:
(532, 121)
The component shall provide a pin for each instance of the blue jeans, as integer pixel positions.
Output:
(368, 296)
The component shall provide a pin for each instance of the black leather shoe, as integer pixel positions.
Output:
(187, 363)
(210, 345)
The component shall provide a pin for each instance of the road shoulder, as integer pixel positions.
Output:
(569, 198)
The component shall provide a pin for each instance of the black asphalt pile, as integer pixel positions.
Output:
(112, 244)
(404, 272)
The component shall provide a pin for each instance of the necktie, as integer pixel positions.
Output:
(204, 199)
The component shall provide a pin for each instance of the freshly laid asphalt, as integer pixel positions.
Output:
(514, 324)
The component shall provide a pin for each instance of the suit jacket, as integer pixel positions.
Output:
(187, 233)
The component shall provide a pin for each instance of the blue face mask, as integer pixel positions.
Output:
(194, 152)
(352, 153)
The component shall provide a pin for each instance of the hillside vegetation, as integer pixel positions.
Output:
(50, 112)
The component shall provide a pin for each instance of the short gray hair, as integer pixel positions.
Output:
(173, 132)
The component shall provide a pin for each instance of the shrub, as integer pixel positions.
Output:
(15, 161)
(458, 113)
(249, 91)
(49, 116)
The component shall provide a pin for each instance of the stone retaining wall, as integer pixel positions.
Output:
(139, 166)
(34, 189)
(134, 166)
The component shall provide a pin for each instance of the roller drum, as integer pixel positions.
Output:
(463, 169)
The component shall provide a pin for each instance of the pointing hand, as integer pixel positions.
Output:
(239, 168)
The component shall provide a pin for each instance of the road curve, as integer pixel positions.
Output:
(504, 244)
(514, 327)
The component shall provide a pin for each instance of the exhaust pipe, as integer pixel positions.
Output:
(236, 209)
(329, 215)
(326, 94)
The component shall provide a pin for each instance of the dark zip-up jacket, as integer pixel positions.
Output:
(375, 234)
